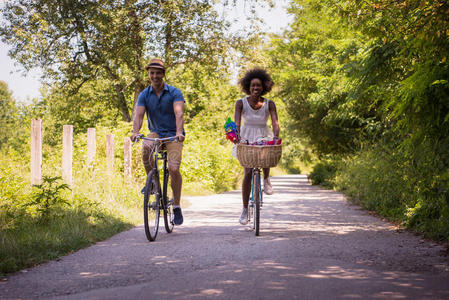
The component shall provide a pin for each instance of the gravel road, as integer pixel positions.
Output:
(313, 244)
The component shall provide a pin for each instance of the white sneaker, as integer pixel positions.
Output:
(267, 188)
(244, 216)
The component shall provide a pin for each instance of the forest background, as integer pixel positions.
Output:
(361, 88)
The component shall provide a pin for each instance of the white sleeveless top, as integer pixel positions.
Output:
(254, 122)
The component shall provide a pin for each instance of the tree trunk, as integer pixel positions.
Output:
(168, 40)
(138, 88)
(121, 103)
(136, 34)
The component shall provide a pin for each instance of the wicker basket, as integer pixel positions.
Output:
(266, 156)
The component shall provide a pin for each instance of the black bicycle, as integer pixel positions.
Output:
(155, 196)
(255, 200)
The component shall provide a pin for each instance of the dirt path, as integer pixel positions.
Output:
(313, 245)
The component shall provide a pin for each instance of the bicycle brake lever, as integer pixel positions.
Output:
(138, 137)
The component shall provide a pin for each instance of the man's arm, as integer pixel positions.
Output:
(137, 123)
(178, 108)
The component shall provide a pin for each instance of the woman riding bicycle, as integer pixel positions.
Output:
(251, 116)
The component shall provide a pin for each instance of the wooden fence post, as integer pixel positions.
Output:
(127, 158)
(67, 153)
(110, 152)
(36, 152)
(91, 146)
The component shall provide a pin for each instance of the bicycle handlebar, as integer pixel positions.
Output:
(170, 138)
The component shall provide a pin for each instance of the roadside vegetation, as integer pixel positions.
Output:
(366, 83)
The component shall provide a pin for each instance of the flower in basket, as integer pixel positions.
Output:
(232, 133)
(275, 141)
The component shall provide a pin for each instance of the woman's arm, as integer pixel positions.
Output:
(274, 118)
(238, 113)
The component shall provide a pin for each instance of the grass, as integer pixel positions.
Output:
(33, 242)
(94, 209)
(387, 182)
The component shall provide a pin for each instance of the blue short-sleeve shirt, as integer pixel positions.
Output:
(160, 113)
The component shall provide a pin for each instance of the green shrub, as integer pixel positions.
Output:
(385, 179)
(374, 179)
(207, 163)
(47, 198)
(323, 173)
(293, 155)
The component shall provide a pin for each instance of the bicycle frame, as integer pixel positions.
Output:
(158, 143)
(256, 172)
(160, 192)
(163, 198)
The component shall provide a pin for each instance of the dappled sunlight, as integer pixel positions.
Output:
(310, 240)
(208, 292)
(273, 276)
(230, 281)
(274, 265)
(94, 274)
(163, 260)
(389, 295)
(339, 273)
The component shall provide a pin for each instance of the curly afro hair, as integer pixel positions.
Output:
(267, 82)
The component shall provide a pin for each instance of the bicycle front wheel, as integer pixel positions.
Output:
(257, 196)
(167, 205)
(151, 206)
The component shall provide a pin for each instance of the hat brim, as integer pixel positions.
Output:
(154, 66)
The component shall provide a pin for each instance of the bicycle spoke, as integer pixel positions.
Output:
(256, 189)
(168, 203)
(153, 205)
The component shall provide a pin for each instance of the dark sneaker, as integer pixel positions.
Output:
(178, 219)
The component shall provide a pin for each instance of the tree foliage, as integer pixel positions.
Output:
(8, 114)
(82, 42)
(312, 63)
(413, 39)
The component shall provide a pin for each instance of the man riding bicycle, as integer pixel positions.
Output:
(164, 105)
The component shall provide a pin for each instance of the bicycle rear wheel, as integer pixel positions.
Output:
(256, 195)
(167, 205)
(151, 206)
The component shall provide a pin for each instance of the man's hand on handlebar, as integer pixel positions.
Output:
(180, 137)
(134, 136)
